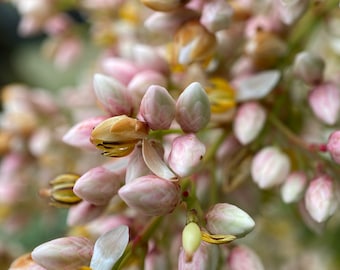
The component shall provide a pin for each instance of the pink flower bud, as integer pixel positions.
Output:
(147, 58)
(324, 100)
(79, 135)
(151, 195)
(270, 167)
(242, 258)
(204, 258)
(83, 212)
(112, 95)
(158, 108)
(67, 253)
(224, 218)
(193, 108)
(293, 187)
(249, 121)
(120, 69)
(97, 186)
(309, 67)
(320, 198)
(333, 146)
(140, 83)
(216, 15)
(186, 153)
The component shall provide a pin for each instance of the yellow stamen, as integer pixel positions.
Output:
(217, 238)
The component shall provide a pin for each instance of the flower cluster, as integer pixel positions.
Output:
(197, 124)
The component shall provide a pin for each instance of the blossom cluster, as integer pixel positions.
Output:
(197, 126)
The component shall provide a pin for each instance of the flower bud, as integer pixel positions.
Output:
(186, 153)
(193, 108)
(265, 49)
(227, 219)
(242, 257)
(157, 108)
(309, 68)
(83, 213)
(293, 187)
(324, 100)
(79, 134)
(141, 82)
(193, 43)
(97, 186)
(333, 146)
(205, 257)
(151, 195)
(216, 15)
(120, 70)
(249, 121)
(270, 167)
(112, 95)
(106, 254)
(191, 239)
(118, 135)
(164, 5)
(64, 253)
(320, 198)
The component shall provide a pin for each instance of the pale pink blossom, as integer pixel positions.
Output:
(243, 258)
(83, 212)
(320, 198)
(333, 146)
(293, 187)
(270, 167)
(151, 195)
(324, 100)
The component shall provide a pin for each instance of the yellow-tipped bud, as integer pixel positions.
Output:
(191, 239)
(118, 135)
(61, 192)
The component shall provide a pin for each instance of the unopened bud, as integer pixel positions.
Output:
(333, 146)
(216, 15)
(309, 68)
(191, 239)
(265, 49)
(151, 195)
(193, 43)
(186, 153)
(64, 253)
(242, 258)
(117, 136)
(227, 219)
(249, 121)
(193, 108)
(324, 100)
(158, 108)
(112, 95)
(83, 212)
(97, 186)
(291, 11)
(320, 198)
(293, 187)
(270, 167)
(79, 134)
